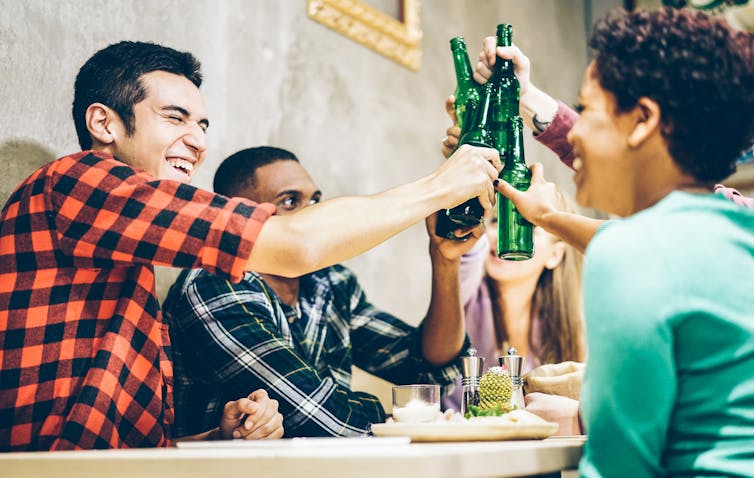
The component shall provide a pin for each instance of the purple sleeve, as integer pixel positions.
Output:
(555, 136)
(477, 310)
(472, 269)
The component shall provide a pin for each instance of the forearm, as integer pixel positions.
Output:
(443, 331)
(389, 348)
(537, 109)
(574, 229)
(338, 229)
(313, 404)
(210, 435)
(345, 413)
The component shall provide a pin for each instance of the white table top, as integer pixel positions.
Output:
(310, 458)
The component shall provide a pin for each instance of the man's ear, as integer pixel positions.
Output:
(102, 123)
(646, 115)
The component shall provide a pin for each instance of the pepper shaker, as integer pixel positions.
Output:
(471, 367)
(514, 364)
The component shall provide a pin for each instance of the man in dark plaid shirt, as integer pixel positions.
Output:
(299, 337)
(84, 353)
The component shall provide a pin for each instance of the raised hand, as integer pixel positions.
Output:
(488, 56)
(468, 173)
(450, 249)
(542, 197)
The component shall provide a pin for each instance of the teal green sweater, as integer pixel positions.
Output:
(669, 304)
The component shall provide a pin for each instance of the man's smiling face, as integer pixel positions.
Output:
(169, 138)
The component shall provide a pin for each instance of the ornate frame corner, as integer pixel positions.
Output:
(398, 40)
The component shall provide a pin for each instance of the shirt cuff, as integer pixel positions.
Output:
(555, 137)
(249, 235)
(734, 196)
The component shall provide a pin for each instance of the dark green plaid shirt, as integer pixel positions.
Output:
(231, 339)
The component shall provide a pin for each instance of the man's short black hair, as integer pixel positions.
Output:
(238, 171)
(112, 77)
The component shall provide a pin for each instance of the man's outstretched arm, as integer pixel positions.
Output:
(341, 228)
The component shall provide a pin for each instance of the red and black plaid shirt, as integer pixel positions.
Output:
(84, 352)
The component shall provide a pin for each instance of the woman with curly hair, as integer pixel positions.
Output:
(666, 107)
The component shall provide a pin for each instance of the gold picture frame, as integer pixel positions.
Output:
(397, 39)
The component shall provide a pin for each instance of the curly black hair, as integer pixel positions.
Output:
(699, 71)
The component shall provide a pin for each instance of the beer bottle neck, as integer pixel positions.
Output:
(462, 66)
(479, 134)
(504, 35)
(504, 38)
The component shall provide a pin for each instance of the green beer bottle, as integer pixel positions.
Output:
(467, 95)
(515, 235)
(478, 133)
(505, 94)
(467, 90)
(485, 124)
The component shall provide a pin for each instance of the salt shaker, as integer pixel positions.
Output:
(514, 364)
(471, 367)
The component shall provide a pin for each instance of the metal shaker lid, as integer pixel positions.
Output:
(471, 364)
(512, 362)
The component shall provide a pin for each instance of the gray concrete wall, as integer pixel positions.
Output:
(358, 121)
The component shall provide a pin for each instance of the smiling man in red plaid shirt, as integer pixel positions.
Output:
(84, 352)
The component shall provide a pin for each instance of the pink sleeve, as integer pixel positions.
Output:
(555, 136)
(734, 196)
